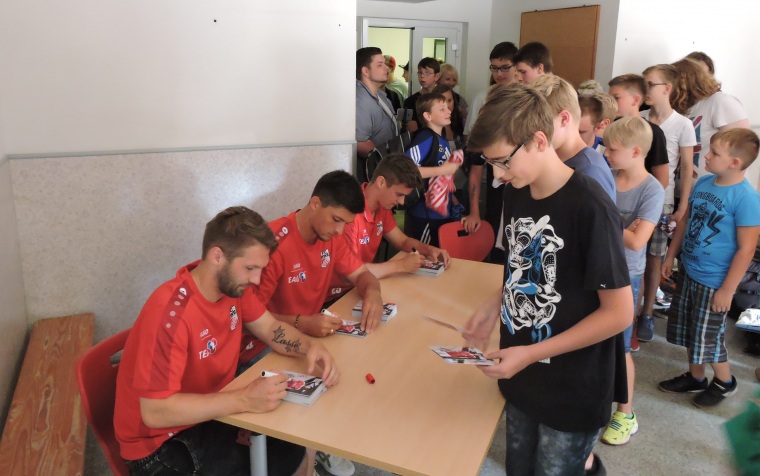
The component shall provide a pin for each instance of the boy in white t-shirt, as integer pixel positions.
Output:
(680, 141)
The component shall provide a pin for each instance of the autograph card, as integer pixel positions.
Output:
(462, 355)
(351, 328)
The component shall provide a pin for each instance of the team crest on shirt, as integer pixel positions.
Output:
(233, 318)
(211, 345)
(379, 228)
(325, 258)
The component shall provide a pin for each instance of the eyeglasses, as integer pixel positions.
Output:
(501, 162)
(425, 73)
(503, 68)
(650, 84)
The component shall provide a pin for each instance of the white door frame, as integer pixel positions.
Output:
(363, 23)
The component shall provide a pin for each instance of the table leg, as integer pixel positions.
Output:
(258, 455)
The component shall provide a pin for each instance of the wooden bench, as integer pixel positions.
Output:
(46, 430)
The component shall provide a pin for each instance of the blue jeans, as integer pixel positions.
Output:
(535, 449)
(636, 288)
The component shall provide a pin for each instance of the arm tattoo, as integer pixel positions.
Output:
(291, 346)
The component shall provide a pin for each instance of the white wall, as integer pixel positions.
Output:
(505, 26)
(727, 32)
(109, 75)
(477, 36)
(100, 233)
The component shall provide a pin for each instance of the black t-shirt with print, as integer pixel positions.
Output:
(560, 251)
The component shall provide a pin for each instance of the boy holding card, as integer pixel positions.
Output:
(564, 302)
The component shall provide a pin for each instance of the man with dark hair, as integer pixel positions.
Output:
(183, 349)
(428, 73)
(375, 117)
(502, 72)
(296, 281)
(294, 284)
(531, 61)
(394, 178)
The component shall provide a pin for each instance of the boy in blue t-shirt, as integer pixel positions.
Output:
(430, 151)
(639, 200)
(716, 239)
(562, 304)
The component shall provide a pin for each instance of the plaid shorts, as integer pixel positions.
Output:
(658, 244)
(693, 325)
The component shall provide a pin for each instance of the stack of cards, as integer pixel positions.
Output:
(430, 268)
(389, 310)
(351, 328)
(303, 389)
(462, 355)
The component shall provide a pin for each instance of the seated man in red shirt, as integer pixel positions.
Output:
(295, 283)
(183, 349)
(394, 178)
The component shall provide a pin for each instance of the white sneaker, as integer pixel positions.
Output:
(335, 465)
(659, 294)
(750, 317)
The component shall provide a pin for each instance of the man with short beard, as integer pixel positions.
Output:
(183, 350)
(375, 116)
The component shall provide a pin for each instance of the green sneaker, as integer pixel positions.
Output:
(620, 429)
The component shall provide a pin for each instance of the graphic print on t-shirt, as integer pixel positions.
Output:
(530, 295)
(701, 218)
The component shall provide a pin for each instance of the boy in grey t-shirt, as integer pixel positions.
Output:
(639, 200)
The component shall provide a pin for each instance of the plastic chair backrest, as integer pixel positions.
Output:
(473, 246)
(96, 378)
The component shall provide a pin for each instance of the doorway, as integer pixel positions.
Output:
(408, 41)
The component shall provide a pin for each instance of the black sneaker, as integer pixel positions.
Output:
(683, 384)
(715, 393)
(597, 468)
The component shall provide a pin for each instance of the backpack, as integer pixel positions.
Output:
(396, 145)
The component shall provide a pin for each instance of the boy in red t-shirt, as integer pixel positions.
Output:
(183, 349)
(394, 178)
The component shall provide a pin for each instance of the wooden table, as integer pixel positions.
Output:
(422, 416)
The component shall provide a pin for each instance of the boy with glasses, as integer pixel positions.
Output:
(563, 304)
(428, 73)
(502, 72)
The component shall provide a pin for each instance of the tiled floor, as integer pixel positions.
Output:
(674, 437)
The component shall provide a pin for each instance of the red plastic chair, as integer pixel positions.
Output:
(463, 245)
(96, 378)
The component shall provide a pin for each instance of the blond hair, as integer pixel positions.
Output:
(742, 144)
(589, 87)
(560, 95)
(629, 132)
(512, 113)
(447, 68)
